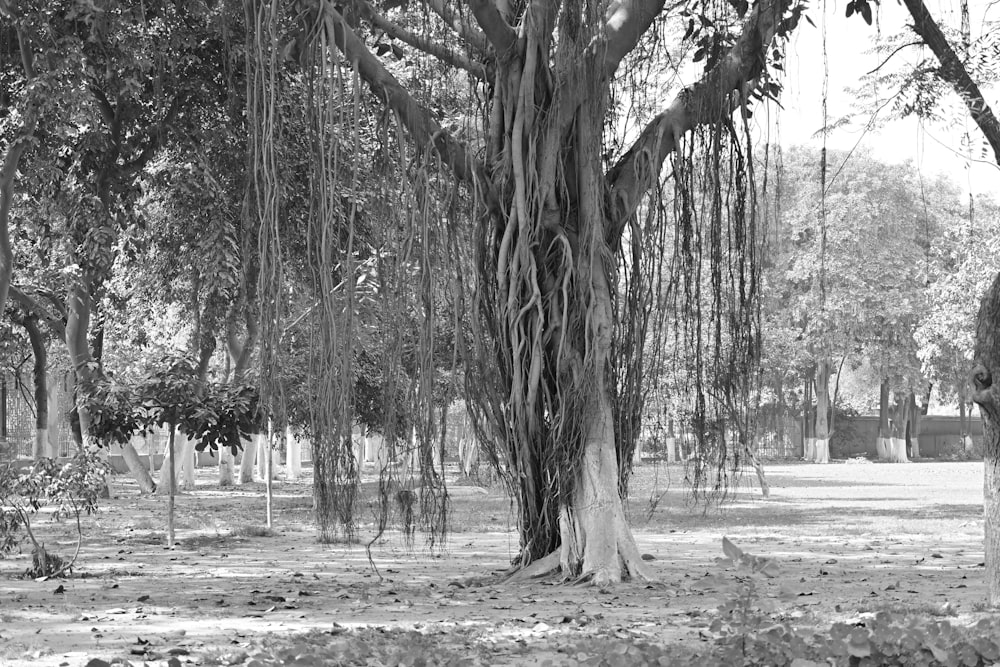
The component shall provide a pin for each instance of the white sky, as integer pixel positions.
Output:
(848, 40)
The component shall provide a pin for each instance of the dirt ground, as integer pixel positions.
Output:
(848, 539)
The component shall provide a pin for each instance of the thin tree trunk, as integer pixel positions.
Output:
(268, 483)
(883, 441)
(822, 446)
(808, 424)
(913, 432)
(171, 486)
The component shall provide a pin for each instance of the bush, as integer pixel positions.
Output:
(71, 488)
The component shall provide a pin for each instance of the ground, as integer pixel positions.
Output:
(842, 542)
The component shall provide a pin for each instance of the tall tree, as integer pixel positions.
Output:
(557, 195)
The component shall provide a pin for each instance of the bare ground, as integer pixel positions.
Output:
(848, 540)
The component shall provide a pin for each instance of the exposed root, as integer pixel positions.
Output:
(630, 567)
(542, 567)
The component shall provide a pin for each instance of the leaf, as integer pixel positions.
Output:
(866, 12)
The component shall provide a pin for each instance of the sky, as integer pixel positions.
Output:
(849, 40)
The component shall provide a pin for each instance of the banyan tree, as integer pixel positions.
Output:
(529, 179)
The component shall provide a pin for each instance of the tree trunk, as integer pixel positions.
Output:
(883, 442)
(253, 450)
(808, 424)
(171, 484)
(40, 446)
(173, 462)
(913, 430)
(671, 442)
(822, 447)
(596, 542)
(293, 455)
(987, 396)
(134, 462)
(225, 467)
(900, 422)
(267, 465)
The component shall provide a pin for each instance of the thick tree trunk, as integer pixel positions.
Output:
(225, 467)
(987, 396)
(822, 447)
(253, 451)
(900, 422)
(596, 542)
(134, 462)
(883, 442)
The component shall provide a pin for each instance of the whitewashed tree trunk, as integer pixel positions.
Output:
(882, 448)
(225, 466)
(263, 450)
(293, 456)
(187, 452)
(135, 463)
(897, 451)
(249, 459)
(968, 444)
(809, 449)
(821, 450)
(468, 454)
(52, 449)
(637, 452)
(671, 449)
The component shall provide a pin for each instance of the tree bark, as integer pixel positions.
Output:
(8, 171)
(293, 455)
(913, 430)
(808, 423)
(900, 422)
(40, 446)
(883, 442)
(987, 396)
(822, 447)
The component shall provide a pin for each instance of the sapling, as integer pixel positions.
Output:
(70, 489)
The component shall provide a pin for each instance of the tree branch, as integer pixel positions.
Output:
(18, 145)
(31, 305)
(497, 31)
(418, 120)
(460, 25)
(953, 72)
(626, 22)
(707, 101)
(421, 43)
(154, 139)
